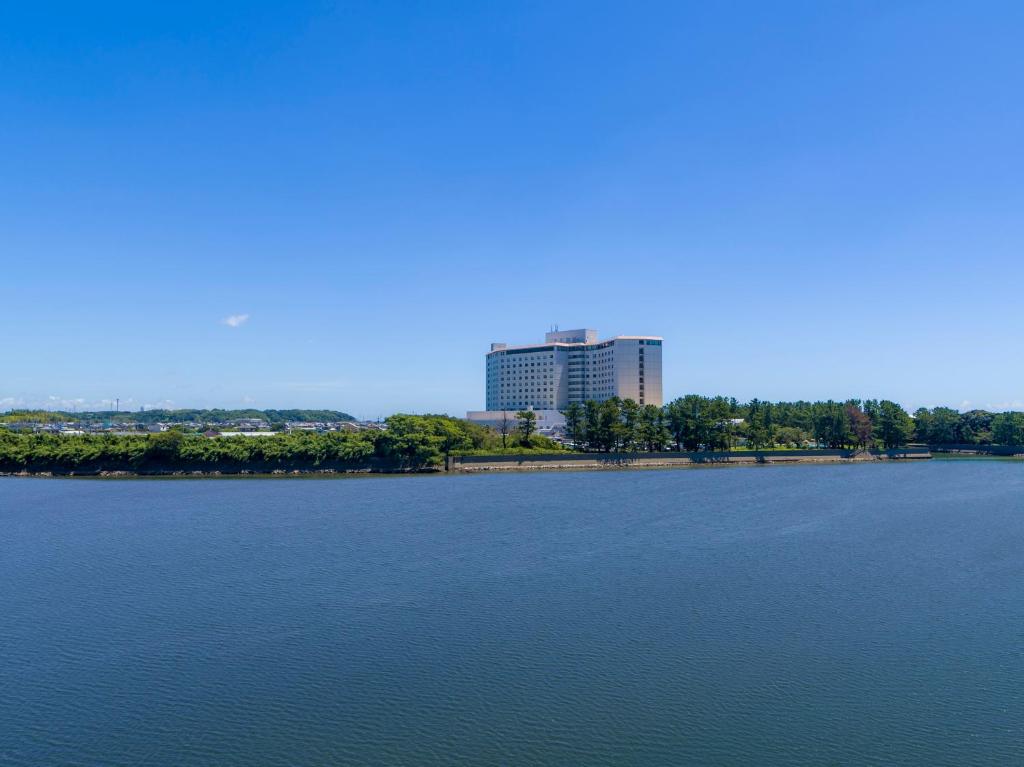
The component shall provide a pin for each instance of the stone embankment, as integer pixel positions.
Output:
(999, 451)
(577, 461)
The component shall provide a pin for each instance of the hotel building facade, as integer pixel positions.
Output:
(574, 366)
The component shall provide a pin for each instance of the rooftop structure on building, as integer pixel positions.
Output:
(574, 366)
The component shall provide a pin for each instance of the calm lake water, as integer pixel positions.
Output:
(846, 615)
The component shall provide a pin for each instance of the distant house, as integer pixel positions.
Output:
(247, 434)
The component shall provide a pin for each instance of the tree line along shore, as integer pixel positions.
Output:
(424, 442)
(696, 423)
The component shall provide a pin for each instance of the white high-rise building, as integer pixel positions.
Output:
(574, 366)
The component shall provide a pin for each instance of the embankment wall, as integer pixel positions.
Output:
(471, 463)
(968, 449)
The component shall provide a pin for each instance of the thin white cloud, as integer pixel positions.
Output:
(235, 320)
(164, 404)
(58, 402)
(1004, 406)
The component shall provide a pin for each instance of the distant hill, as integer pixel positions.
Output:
(216, 415)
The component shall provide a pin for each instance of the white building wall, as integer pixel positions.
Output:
(528, 377)
(566, 370)
(653, 392)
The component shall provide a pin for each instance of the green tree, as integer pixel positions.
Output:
(1008, 429)
(527, 425)
(895, 427)
(831, 426)
(592, 424)
(975, 427)
(945, 425)
(609, 430)
(790, 436)
(652, 432)
(630, 425)
(702, 423)
(164, 448)
(676, 421)
(411, 442)
(718, 426)
(686, 420)
(574, 427)
(760, 425)
(451, 435)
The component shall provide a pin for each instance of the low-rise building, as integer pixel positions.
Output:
(548, 421)
(246, 434)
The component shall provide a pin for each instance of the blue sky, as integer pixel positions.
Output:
(806, 199)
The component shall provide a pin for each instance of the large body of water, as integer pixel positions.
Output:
(813, 615)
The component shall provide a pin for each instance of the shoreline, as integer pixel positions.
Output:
(477, 464)
(217, 473)
(604, 461)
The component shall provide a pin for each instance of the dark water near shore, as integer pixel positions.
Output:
(807, 615)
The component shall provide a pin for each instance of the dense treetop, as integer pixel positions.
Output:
(408, 442)
(696, 422)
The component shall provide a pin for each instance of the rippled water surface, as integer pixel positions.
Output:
(862, 614)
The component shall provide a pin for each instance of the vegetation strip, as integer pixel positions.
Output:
(429, 442)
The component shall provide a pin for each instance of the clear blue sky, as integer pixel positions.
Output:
(806, 199)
